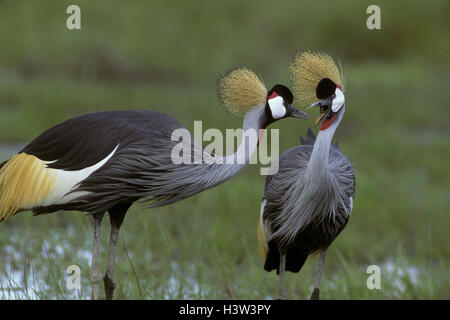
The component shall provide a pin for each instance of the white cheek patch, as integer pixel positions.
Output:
(277, 107)
(339, 101)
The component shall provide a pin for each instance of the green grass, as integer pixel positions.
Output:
(166, 57)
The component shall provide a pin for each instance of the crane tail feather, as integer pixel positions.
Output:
(294, 259)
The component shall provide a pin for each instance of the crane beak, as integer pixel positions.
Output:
(320, 117)
(292, 112)
(324, 105)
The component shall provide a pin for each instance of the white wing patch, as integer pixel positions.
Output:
(66, 181)
(265, 231)
(351, 205)
(263, 235)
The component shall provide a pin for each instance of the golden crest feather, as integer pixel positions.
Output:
(307, 69)
(241, 90)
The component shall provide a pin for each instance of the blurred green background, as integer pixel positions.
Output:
(166, 56)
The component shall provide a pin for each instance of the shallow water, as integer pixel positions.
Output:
(41, 274)
(34, 275)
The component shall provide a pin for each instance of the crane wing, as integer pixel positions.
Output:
(48, 170)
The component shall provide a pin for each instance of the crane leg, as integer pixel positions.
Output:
(116, 216)
(315, 294)
(282, 287)
(96, 275)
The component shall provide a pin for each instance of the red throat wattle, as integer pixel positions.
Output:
(261, 130)
(260, 136)
(273, 95)
(327, 122)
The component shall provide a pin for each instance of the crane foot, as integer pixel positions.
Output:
(110, 285)
(315, 294)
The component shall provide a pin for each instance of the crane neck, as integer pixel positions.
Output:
(318, 164)
(185, 180)
(226, 167)
(253, 121)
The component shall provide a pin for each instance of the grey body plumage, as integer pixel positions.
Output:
(308, 202)
(144, 170)
(295, 211)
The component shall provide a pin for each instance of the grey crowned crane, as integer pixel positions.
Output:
(308, 202)
(105, 161)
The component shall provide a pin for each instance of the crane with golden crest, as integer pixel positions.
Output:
(104, 162)
(308, 202)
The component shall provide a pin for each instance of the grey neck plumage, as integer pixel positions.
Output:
(253, 121)
(318, 163)
(225, 167)
(182, 181)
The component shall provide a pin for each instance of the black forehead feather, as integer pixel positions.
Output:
(325, 88)
(284, 92)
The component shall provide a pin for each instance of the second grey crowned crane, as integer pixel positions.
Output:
(104, 162)
(308, 202)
